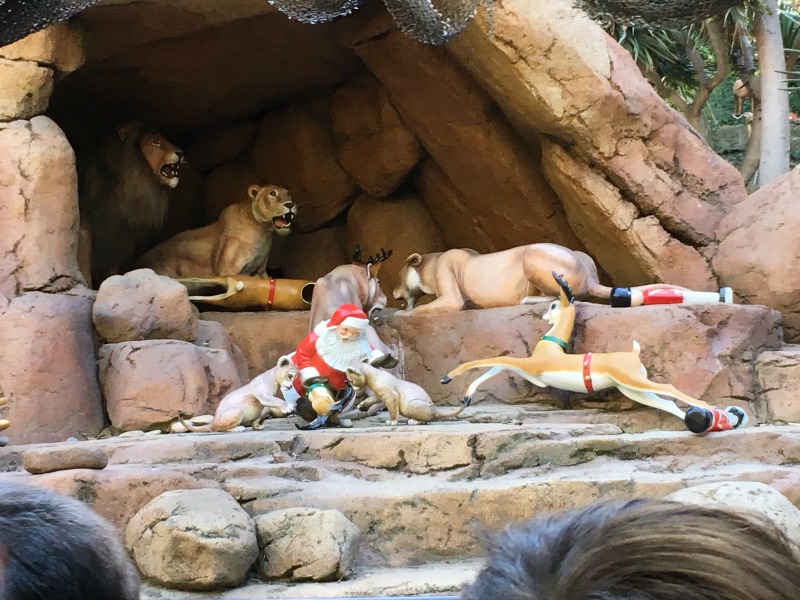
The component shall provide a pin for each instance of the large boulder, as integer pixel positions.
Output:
(147, 383)
(621, 160)
(760, 244)
(141, 305)
(47, 367)
(295, 149)
(373, 143)
(26, 89)
(193, 540)
(59, 46)
(778, 374)
(227, 185)
(495, 171)
(211, 334)
(402, 224)
(312, 255)
(220, 145)
(38, 208)
(306, 544)
(263, 336)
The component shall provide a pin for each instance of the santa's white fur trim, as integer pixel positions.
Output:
(355, 323)
(308, 373)
(375, 354)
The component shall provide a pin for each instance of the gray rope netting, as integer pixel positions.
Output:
(19, 18)
(656, 13)
(427, 21)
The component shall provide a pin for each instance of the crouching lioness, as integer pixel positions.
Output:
(462, 277)
(254, 402)
(238, 243)
(402, 398)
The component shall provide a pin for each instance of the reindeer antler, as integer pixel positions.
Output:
(384, 254)
(562, 283)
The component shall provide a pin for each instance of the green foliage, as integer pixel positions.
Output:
(665, 52)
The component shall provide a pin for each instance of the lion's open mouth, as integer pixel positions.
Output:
(284, 221)
(170, 170)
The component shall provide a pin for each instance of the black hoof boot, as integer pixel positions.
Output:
(446, 379)
(467, 400)
(698, 420)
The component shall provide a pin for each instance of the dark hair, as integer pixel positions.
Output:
(53, 546)
(640, 550)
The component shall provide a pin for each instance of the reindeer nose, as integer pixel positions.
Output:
(289, 204)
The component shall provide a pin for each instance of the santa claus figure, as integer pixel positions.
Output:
(321, 389)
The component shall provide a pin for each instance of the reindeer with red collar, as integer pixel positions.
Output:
(551, 365)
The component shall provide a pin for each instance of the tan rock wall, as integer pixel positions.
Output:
(760, 248)
(38, 208)
(402, 224)
(496, 173)
(555, 73)
(47, 367)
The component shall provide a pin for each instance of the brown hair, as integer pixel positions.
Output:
(640, 550)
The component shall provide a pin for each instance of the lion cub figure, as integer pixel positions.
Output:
(402, 398)
(238, 243)
(254, 402)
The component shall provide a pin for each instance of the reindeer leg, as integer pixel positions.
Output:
(474, 385)
(649, 399)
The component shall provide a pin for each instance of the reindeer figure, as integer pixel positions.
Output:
(356, 283)
(550, 365)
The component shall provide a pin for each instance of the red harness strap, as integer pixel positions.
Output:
(271, 293)
(587, 372)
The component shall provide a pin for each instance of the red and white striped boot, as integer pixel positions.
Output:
(704, 420)
(625, 297)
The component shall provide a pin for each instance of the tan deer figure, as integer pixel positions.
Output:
(551, 365)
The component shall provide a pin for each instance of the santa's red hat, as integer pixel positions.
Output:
(349, 315)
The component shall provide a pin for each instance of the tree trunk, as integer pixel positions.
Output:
(774, 160)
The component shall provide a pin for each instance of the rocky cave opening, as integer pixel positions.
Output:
(382, 141)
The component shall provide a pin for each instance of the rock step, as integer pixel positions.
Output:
(445, 578)
(419, 493)
(422, 518)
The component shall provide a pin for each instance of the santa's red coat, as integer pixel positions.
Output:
(306, 356)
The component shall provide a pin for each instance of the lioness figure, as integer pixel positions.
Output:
(254, 402)
(125, 190)
(238, 243)
(522, 275)
(402, 398)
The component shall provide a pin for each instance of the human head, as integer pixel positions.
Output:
(53, 546)
(640, 550)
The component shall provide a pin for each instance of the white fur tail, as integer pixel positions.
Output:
(636, 347)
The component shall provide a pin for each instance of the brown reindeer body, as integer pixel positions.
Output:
(550, 365)
(351, 284)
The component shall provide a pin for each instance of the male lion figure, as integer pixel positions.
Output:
(124, 196)
(238, 243)
(254, 402)
(463, 277)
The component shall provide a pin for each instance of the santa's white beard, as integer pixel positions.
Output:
(339, 354)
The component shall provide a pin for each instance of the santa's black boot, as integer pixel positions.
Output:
(319, 422)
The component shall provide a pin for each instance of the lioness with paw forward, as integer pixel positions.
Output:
(254, 402)
(402, 398)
